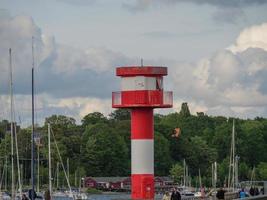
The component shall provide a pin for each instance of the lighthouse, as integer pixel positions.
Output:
(141, 92)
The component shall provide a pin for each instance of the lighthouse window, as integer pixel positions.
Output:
(159, 83)
(139, 83)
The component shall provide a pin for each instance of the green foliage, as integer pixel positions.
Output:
(93, 118)
(199, 155)
(162, 158)
(252, 143)
(120, 114)
(5, 146)
(262, 170)
(105, 152)
(223, 172)
(60, 120)
(222, 140)
(243, 171)
(177, 172)
(3, 128)
(185, 110)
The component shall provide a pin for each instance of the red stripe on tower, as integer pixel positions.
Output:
(142, 123)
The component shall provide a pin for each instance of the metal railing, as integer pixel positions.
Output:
(156, 98)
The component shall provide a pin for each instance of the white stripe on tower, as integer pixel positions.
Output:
(142, 156)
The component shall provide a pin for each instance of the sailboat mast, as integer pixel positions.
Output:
(6, 175)
(233, 156)
(215, 174)
(187, 176)
(184, 173)
(68, 168)
(57, 174)
(18, 166)
(11, 127)
(49, 161)
(32, 147)
(212, 175)
(38, 168)
(231, 175)
(199, 176)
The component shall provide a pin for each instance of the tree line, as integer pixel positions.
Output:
(100, 146)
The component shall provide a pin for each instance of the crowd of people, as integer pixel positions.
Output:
(31, 194)
(253, 191)
(220, 194)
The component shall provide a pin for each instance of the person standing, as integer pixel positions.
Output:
(252, 191)
(24, 197)
(32, 194)
(175, 195)
(47, 195)
(166, 196)
(202, 192)
(220, 193)
(242, 194)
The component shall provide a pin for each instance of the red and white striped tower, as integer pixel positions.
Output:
(142, 91)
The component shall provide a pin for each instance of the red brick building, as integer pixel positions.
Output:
(117, 183)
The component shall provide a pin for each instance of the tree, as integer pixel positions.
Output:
(3, 128)
(222, 140)
(60, 120)
(93, 118)
(163, 160)
(5, 146)
(199, 155)
(176, 172)
(123, 128)
(243, 171)
(105, 153)
(262, 170)
(252, 147)
(223, 170)
(120, 114)
(24, 146)
(184, 110)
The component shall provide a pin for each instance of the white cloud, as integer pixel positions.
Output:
(252, 37)
(228, 82)
(47, 105)
(68, 80)
(61, 70)
(86, 105)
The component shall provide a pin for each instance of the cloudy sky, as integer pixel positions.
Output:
(216, 52)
